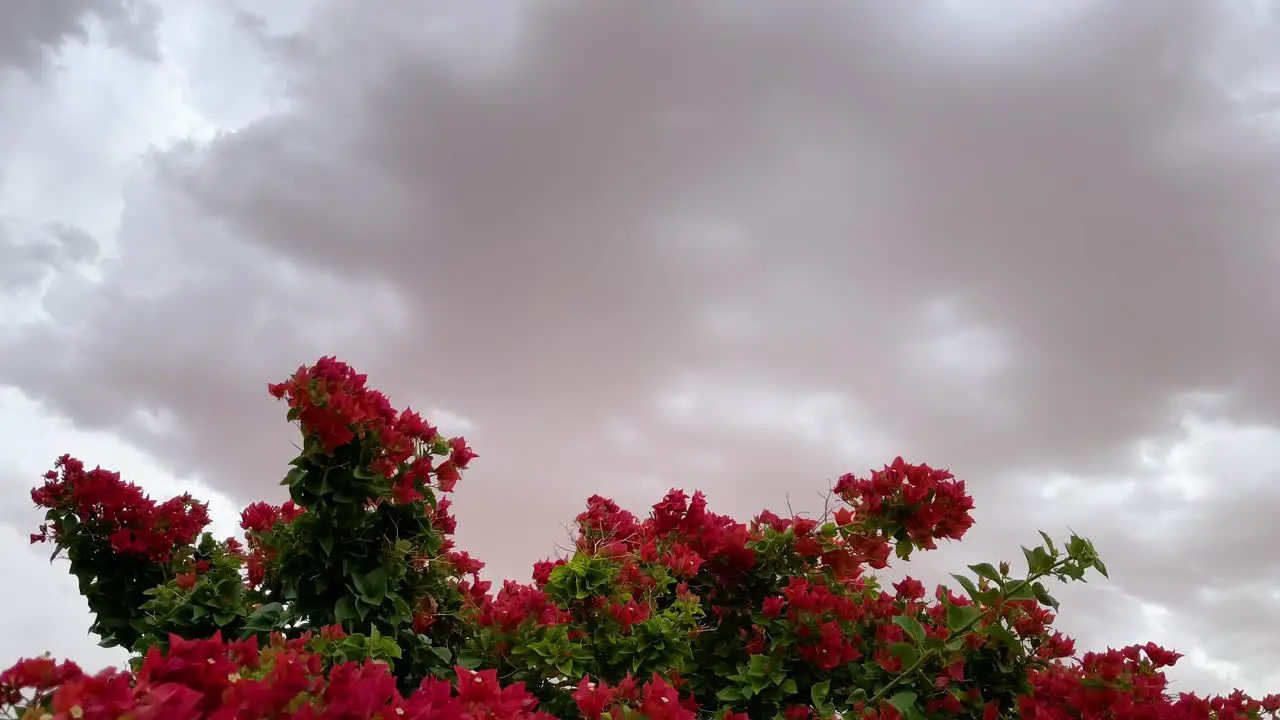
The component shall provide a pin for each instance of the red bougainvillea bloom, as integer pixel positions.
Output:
(108, 507)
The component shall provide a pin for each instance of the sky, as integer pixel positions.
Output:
(625, 247)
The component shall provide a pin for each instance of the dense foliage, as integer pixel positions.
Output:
(351, 601)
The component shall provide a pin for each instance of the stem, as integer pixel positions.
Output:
(926, 656)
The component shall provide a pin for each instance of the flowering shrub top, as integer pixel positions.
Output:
(351, 601)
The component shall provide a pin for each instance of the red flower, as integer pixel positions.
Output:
(592, 699)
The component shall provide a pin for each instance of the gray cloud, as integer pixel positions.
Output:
(30, 255)
(654, 244)
(32, 30)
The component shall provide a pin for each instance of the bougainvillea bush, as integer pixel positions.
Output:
(351, 601)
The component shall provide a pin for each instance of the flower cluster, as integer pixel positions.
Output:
(226, 680)
(257, 520)
(334, 408)
(1127, 683)
(99, 502)
(924, 502)
(656, 700)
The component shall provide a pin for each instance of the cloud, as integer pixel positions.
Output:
(35, 29)
(28, 258)
(714, 245)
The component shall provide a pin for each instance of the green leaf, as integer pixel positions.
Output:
(999, 632)
(442, 653)
(1043, 595)
(789, 686)
(378, 580)
(345, 610)
(967, 584)
(959, 617)
(401, 606)
(986, 570)
(372, 586)
(729, 694)
(1076, 546)
(818, 693)
(1101, 568)
(389, 648)
(326, 544)
(362, 585)
(905, 652)
(1018, 590)
(903, 550)
(904, 702)
(1048, 541)
(912, 627)
(1038, 561)
(263, 619)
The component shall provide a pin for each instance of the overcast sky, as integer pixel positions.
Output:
(737, 246)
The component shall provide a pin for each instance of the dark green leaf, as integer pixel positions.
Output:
(1043, 595)
(345, 610)
(967, 584)
(1038, 561)
(904, 702)
(986, 570)
(377, 579)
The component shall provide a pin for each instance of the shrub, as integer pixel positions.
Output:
(351, 601)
